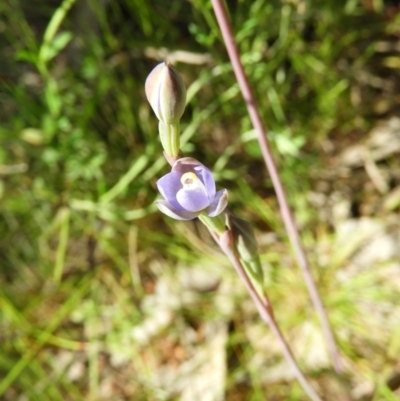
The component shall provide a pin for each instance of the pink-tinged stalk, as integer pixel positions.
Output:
(286, 213)
(225, 241)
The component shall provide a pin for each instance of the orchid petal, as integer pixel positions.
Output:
(193, 200)
(206, 177)
(167, 209)
(168, 186)
(218, 204)
(185, 165)
(190, 189)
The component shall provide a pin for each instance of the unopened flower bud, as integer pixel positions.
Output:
(166, 93)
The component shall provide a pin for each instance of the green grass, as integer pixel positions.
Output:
(83, 250)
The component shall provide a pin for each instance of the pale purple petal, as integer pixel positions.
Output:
(192, 200)
(167, 209)
(169, 185)
(218, 204)
(206, 177)
(185, 165)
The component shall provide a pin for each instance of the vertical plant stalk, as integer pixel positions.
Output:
(225, 241)
(64, 216)
(290, 225)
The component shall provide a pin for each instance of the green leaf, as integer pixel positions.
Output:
(59, 42)
(25, 55)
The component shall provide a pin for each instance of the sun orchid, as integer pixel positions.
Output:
(189, 191)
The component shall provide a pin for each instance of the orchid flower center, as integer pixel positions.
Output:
(193, 195)
(190, 181)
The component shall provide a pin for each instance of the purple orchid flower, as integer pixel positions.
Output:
(189, 190)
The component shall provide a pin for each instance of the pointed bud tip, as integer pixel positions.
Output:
(166, 93)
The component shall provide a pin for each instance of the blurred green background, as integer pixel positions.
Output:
(102, 297)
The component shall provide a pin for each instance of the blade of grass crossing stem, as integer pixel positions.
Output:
(94, 374)
(133, 259)
(136, 168)
(15, 317)
(47, 383)
(112, 252)
(63, 343)
(91, 328)
(62, 244)
(11, 314)
(79, 291)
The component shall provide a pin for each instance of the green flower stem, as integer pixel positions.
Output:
(170, 138)
(215, 224)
